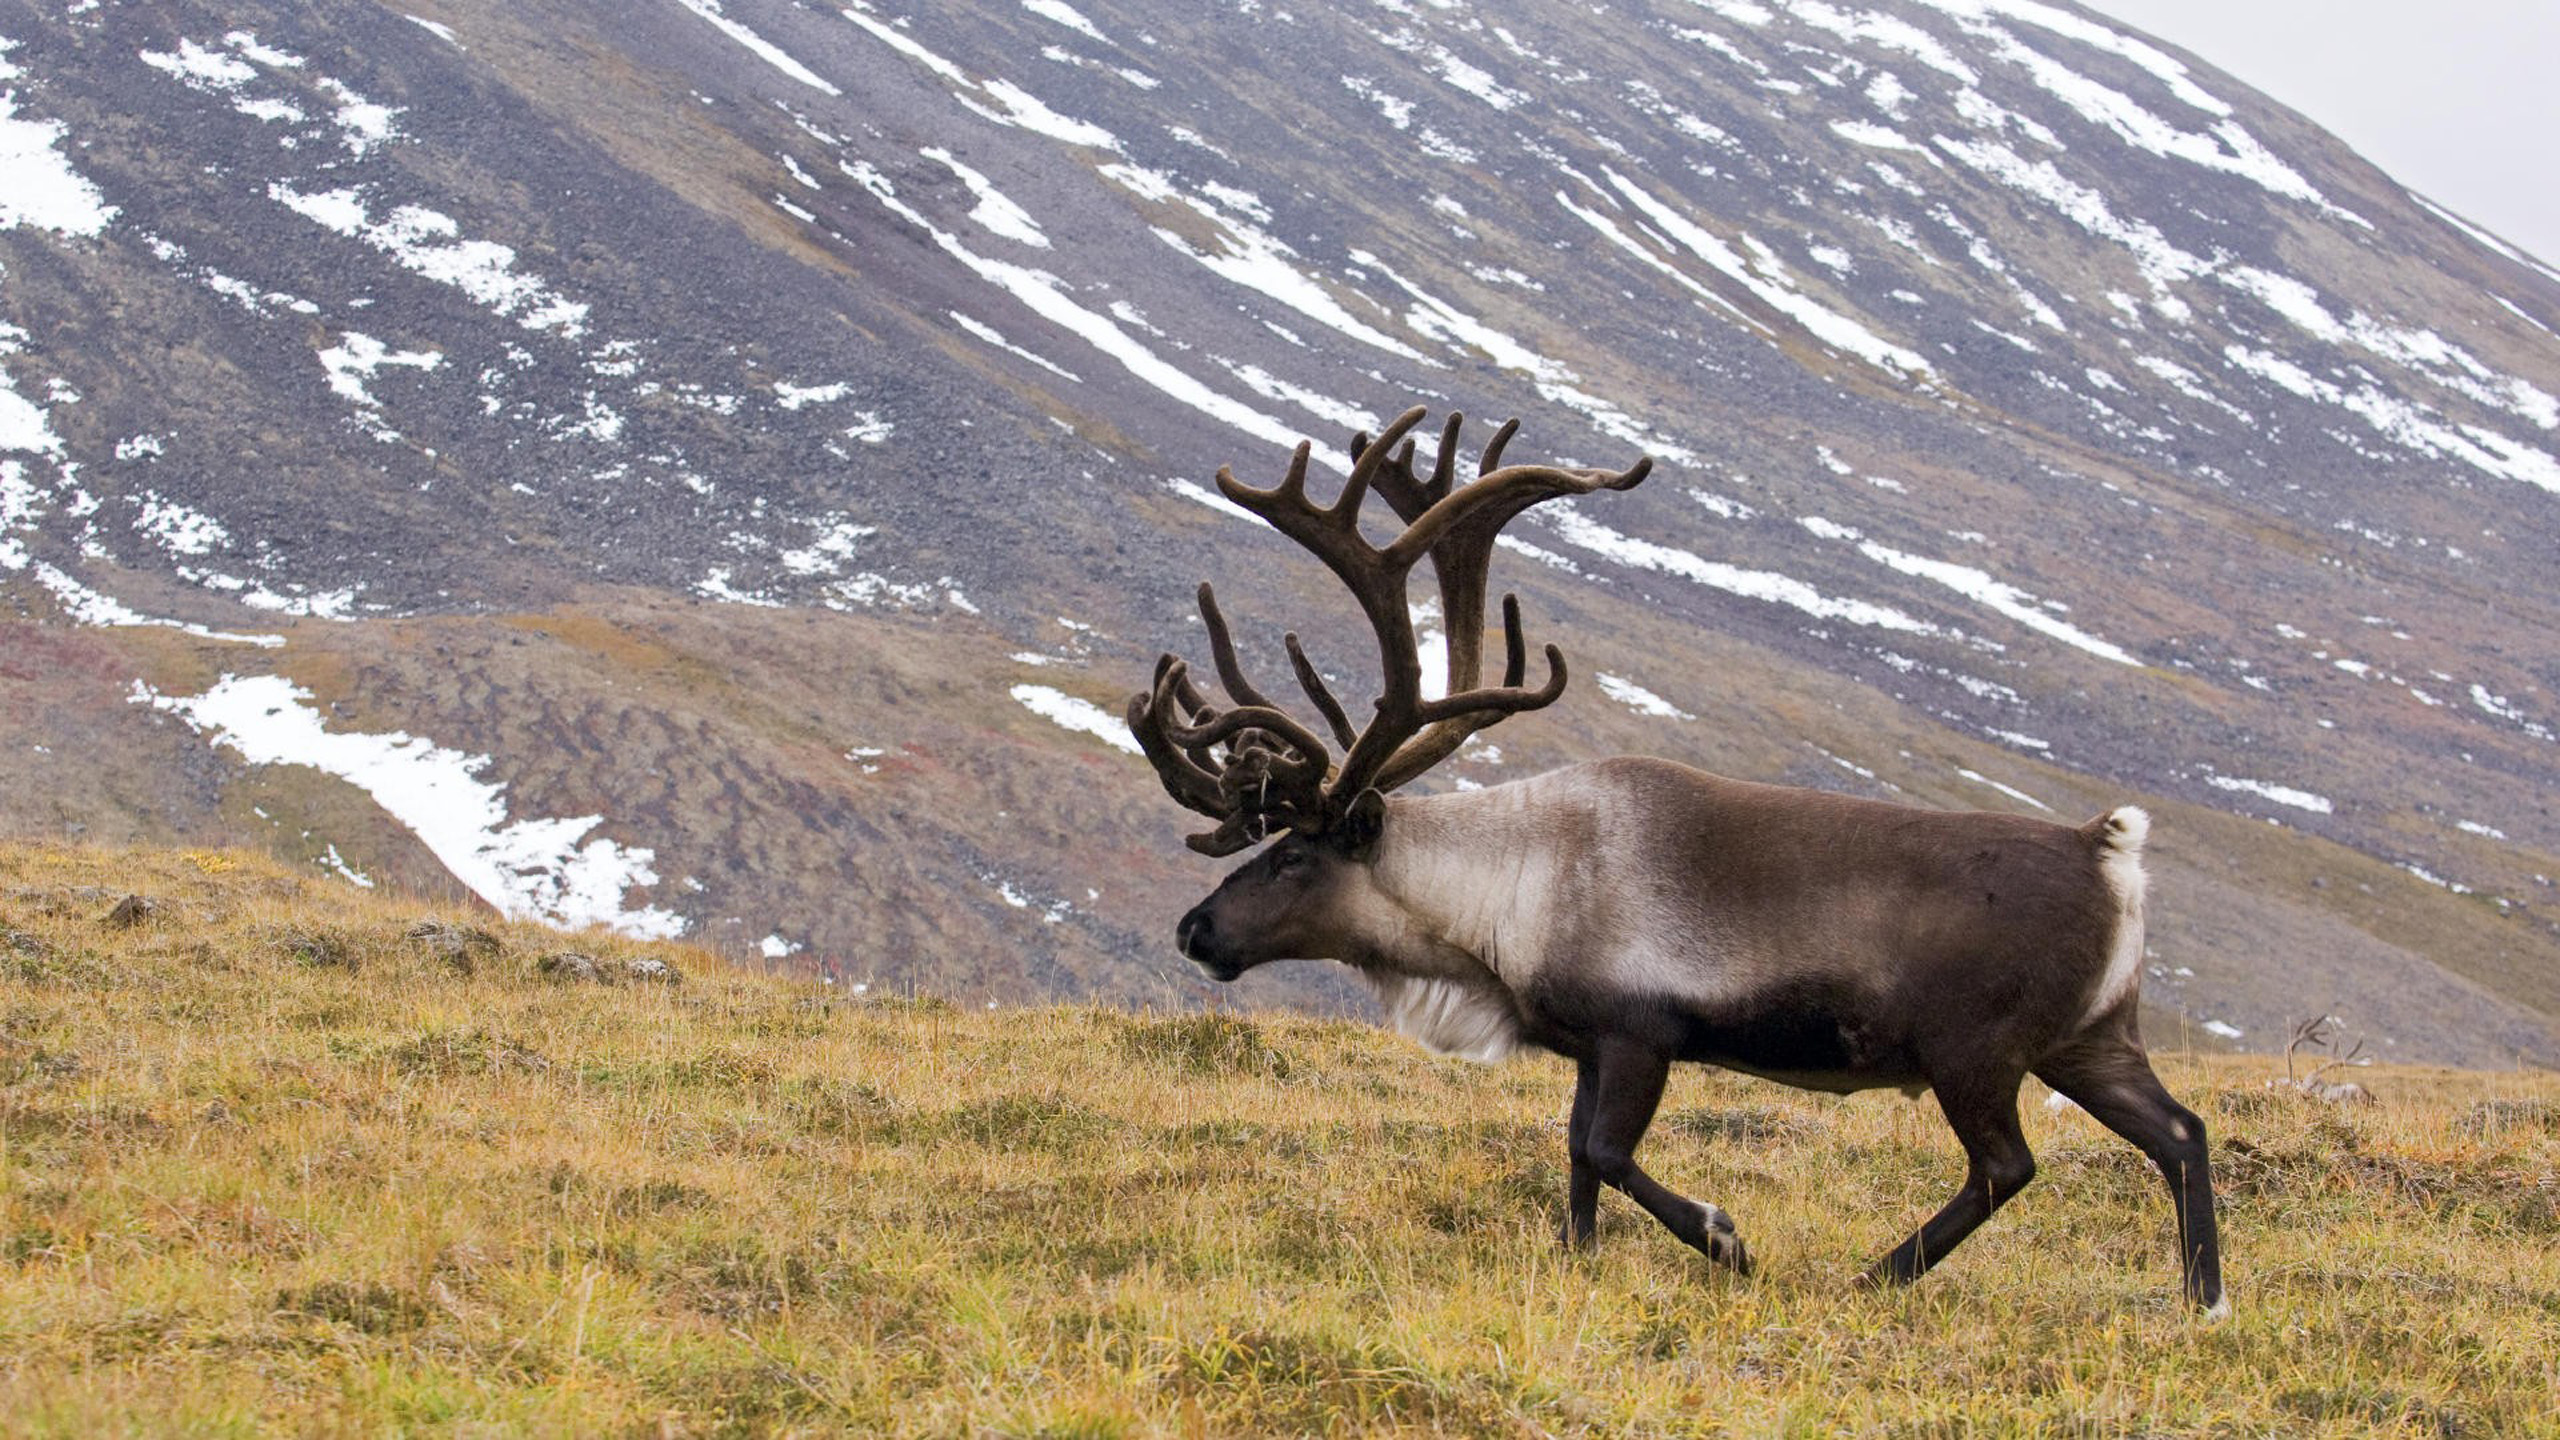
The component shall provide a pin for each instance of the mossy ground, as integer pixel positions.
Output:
(270, 1162)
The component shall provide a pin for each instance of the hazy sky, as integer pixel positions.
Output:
(2458, 99)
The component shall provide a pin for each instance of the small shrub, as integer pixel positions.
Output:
(465, 1052)
(374, 1308)
(24, 1060)
(835, 1108)
(462, 947)
(2494, 1117)
(2253, 1104)
(910, 1004)
(62, 901)
(1276, 1381)
(722, 1069)
(1026, 1121)
(571, 967)
(316, 947)
(1210, 1043)
(576, 967)
(655, 1197)
(747, 1275)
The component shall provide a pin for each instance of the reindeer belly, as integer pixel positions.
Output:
(1811, 1034)
(1810, 1040)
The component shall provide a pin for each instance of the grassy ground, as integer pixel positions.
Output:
(270, 1162)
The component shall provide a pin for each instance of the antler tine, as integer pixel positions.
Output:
(1226, 726)
(1294, 484)
(1444, 467)
(1515, 650)
(1313, 684)
(1288, 499)
(1192, 785)
(1456, 717)
(1274, 771)
(1457, 531)
(1222, 652)
(1374, 578)
(1460, 528)
(1240, 831)
(1371, 462)
(1409, 496)
(1189, 726)
(1492, 457)
(1499, 700)
(1184, 693)
(1497, 497)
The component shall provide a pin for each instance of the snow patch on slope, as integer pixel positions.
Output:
(764, 49)
(1080, 715)
(528, 868)
(38, 185)
(427, 242)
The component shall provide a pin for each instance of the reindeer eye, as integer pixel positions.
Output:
(1288, 860)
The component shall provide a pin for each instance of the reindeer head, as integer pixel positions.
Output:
(1257, 770)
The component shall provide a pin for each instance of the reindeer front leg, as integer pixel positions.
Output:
(1582, 1191)
(1626, 1079)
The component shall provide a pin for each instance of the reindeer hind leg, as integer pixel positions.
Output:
(2114, 1082)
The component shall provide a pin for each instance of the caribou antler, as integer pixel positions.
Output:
(1275, 769)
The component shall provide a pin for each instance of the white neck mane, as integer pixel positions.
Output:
(1449, 1017)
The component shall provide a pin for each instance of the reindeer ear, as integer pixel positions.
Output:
(1358, 832)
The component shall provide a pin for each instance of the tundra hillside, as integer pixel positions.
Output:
(277, 1154)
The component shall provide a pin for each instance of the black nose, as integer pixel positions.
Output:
(1193, 930)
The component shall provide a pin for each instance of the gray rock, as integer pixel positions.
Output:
(571, 966)
(461, 946)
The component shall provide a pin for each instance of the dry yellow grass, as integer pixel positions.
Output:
(270, 1163)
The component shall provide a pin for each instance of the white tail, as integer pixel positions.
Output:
(2121, 837)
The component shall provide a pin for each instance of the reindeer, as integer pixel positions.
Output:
(1629, 913)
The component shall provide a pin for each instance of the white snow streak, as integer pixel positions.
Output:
(38, 186)
(996, 214)
(1978, 586)
(1060, 708)
(2012, 791)
(2281, 794)
(1045, 295)
(1642, 701)
(764, 49)
(1827, 325)
(1576, 529)
(532, 868)
(425, 241)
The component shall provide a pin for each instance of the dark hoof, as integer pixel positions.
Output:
(1723, 1243)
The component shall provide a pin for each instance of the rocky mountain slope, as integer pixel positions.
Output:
(715, 466)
